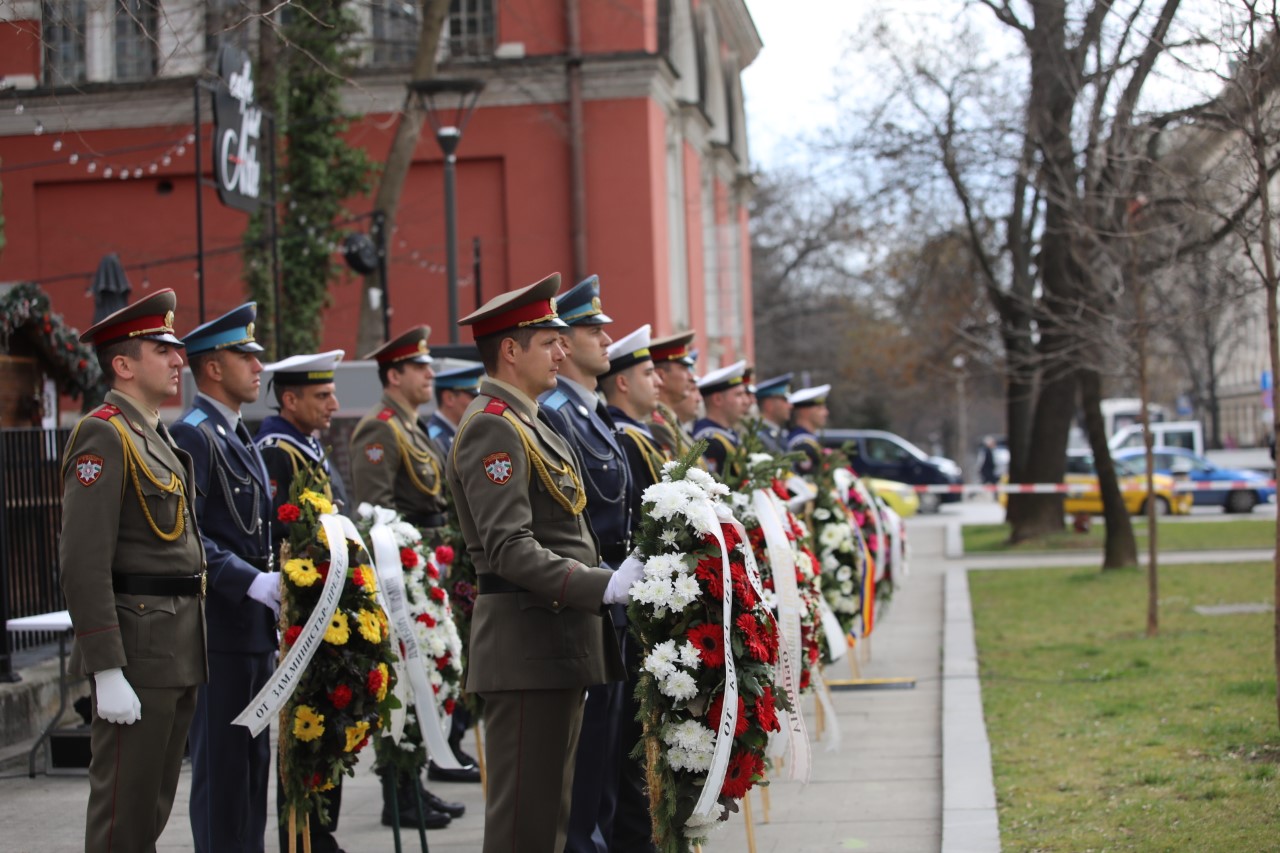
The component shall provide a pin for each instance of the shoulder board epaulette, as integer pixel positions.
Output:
(657, 418)
(195, 417)
(555, 400)
(105, 412)
(386, 414)
(269, 441)
(435, 431)
(496, 407)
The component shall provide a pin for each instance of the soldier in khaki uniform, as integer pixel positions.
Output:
(540, 634)
(678, 397)
(133, 576)
(394, 464)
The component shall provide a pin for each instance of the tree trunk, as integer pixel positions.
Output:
(1121, 548)
(399, 159)
(1035, 515)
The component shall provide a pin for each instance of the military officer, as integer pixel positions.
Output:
(809, 411)
(724, 395)
(678, 398)
(631, 387)
(540, 634)
(395, 465)
(230, 769)
(304, 392)
(775, 411)
(133, 577)
(455, 389)
(579, 415)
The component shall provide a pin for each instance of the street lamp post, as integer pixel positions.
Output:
(457, 101)
(962, 414)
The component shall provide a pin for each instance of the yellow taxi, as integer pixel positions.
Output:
(1133, 488)
(900, 497)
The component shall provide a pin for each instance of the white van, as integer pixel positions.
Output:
(1185, 434)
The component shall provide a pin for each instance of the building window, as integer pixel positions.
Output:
(471, 29)
(395, 32)
(135, 40)
(62, 27)
(226, 22)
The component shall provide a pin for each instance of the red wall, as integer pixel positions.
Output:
(20, 48)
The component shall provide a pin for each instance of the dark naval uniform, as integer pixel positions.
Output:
(285, 451)
(133, 574)
(801, 439)
(721, 441)
(230, 768)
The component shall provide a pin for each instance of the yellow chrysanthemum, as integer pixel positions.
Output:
(368, 580)
(370, 629)
(339, 630)
(307, 724)
(302, 572)
(318, 502)
(386, 682)
(355, 734)
(322, 536)
(327, 786)
(382, 619)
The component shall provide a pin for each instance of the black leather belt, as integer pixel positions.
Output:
(489, 583)
(159, 584)
(434, 519)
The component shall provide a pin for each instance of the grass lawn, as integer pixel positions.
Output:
(1173, 536)
(1102, 739)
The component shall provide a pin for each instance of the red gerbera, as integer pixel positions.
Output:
(766, 713)
(291, 634)
(709, 572)
(374, 682)
(743, 592)
(708, 639)
(340, 696)
(743, 768)
(444, 555)
(426, 619)
(756, 535)
(717, 706)
(731, 537)
(804, 679)
(780, 489)
(288, 513)
(449, 705)
(408, 558)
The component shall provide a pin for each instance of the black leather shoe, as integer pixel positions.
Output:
(433, 802)
(431, 819)
(467, 773)
(463, 758)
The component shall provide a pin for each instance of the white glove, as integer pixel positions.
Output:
(117, 703)
(265, 589)
(619, 589)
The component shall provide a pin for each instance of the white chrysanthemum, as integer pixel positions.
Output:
(669, 536)
(679, 685)
(689, 657)
(692, 737)
(663, 565)
(667, 499)
(655, 592)
(685, 591)
(711, 821)
(668, 467)
(755, 459)
(700, 478)
(830, 563)
(830, 536)
(822, 513)
(770, 599)
(844, 573)
(661, 662)
(847, 587)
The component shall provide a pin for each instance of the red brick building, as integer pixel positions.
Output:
(97, 143)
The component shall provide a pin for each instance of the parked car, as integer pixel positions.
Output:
(1133, 488)
(886, 456)
(900, 497)
(1184, 465)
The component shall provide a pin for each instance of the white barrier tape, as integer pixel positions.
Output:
(275, 693)
(386, 557)
(1084, 488)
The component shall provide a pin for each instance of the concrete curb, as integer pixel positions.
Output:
(969, 820)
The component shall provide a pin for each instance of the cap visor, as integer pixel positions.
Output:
(251, 346)
(164, 339)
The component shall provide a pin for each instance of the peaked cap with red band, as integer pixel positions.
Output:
(409, 347)
(529, 307)
(673, 348)
(148, 319)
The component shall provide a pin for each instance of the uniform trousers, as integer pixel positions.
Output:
(133, 771)
(632, 824)
(595, 778)
(531, 739)
(230, 769)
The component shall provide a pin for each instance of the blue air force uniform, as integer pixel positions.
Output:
(439, 428)
(230, 769)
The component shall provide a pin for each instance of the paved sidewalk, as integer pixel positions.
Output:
(882, 791)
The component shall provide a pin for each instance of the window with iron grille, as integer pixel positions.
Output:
(226, 22)
(395, 32)
(62, 27)
(471, 29)
(135, 39)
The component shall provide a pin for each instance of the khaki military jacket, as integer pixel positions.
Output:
(394, 464)
(127, 507)
(520, 505)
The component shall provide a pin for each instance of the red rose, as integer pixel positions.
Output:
(449, 705)
(340, 696)
(357, 576)
(443, 663)
(780, 489)
(444, 555)
(426, 619)
(740, 722)
(374, 682)
(436, 593)
(408, 558)
(315, 781)
(708, 639)
(291, 634)
(288, 513)
(432, 571)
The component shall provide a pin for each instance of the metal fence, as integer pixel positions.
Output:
(30, 522)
